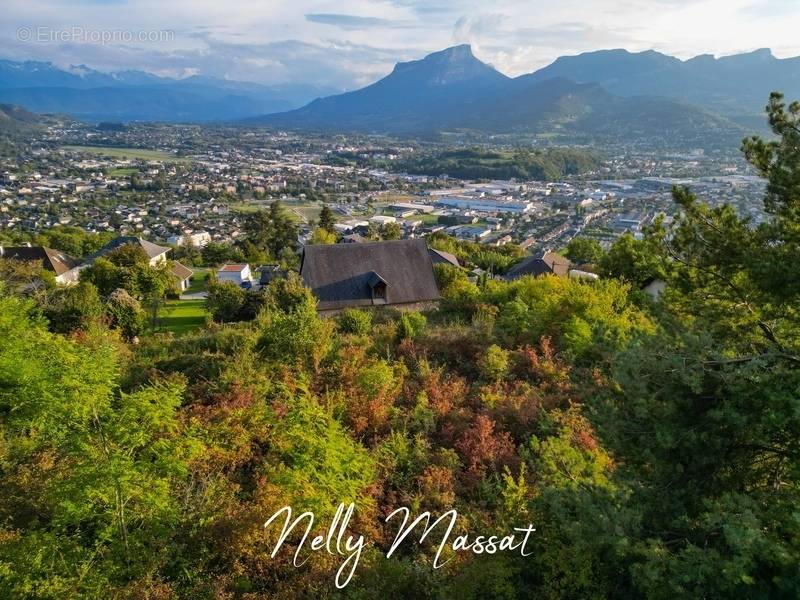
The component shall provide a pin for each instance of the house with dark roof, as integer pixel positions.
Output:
(154, 252)
(65, 266)
(440, 257)
(393, 273)
(543, 263)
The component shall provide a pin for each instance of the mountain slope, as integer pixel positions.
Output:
(452, 90)
(135, 95)
(415, 95)
(733, 85)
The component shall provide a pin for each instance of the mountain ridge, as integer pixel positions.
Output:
(93, 95)
(453, 90)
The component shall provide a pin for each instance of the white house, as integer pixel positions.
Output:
(199, 239)
(237, 274)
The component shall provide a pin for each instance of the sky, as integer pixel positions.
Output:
(345, 44)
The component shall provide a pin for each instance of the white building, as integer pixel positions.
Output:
(237, 274)
(198, 240)
(382, 220)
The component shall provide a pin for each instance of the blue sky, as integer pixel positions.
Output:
(344, 44)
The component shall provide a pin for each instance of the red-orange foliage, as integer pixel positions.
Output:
(483, 448)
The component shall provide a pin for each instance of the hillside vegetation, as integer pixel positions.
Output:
(653, 445)
(544, 165)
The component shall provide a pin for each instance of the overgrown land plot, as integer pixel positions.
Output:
(182, 316)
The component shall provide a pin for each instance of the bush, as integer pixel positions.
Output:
(411, 325)
(355, 321)
(125, 313)
(494, 363)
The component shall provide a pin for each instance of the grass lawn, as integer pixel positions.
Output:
(181, 316)
(198, 283)
(309, 212)
(426, 219)
(133, 153)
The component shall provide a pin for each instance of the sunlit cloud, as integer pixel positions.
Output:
(348, 43)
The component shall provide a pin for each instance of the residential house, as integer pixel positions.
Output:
(394, 273)
(441, 257)
(183, 274)
(237, 274)
(155, 253)
(543, 263)
(65, 267)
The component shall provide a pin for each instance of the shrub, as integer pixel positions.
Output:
(355, 321)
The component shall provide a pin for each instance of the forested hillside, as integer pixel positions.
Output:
(652, 444)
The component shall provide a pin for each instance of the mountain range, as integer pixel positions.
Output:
(607, 94)
(138, 96)
(452, 90)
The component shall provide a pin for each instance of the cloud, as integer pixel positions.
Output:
(354, 23)
(768, 9)
(298, 41)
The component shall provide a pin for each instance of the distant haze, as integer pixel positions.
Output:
(349, 43)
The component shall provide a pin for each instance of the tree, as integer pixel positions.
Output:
(296, 335)
(391, 231)
(128, 267)
(634, 261)
(327, 220)
(584, 251)
(214, 254)
(706, 408)
(224, 301)
(273, 231)
(322, 236)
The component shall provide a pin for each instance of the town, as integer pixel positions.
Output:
(199, 189)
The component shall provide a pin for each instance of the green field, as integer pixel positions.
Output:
(198, 283)
(122, 172)
(181, 316)
(307, 211)
(132, 153)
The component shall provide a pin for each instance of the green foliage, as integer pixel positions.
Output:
(315, 464)
(635, 261)
(322, 236)
(495, 260)
(225, 301)
(327, 220)
(411, 324)
(214, 254)
(73, 308)
(358, 322)
(494, 363)
(583, 251)
(103, 462)
(585, 318)
(296, 335)
(524, 164)
(125, 313)
(391, 231)
(273, 232)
